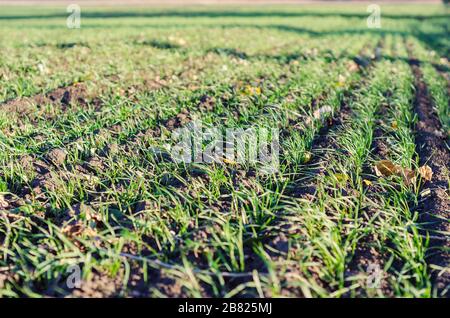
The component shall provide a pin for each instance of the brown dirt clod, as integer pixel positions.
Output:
(57, 156)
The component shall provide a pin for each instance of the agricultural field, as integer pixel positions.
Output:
(353, 201)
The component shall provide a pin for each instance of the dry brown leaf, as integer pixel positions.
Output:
(426, 172)
(385, 168)
(408, 175)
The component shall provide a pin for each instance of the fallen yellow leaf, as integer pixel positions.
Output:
(341, 80)
(251, 91)
(341, 177)
(394, 124)
(307, 157)
(229, 161)
(367, 182)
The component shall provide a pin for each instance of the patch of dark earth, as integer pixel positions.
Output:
(62, 97)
